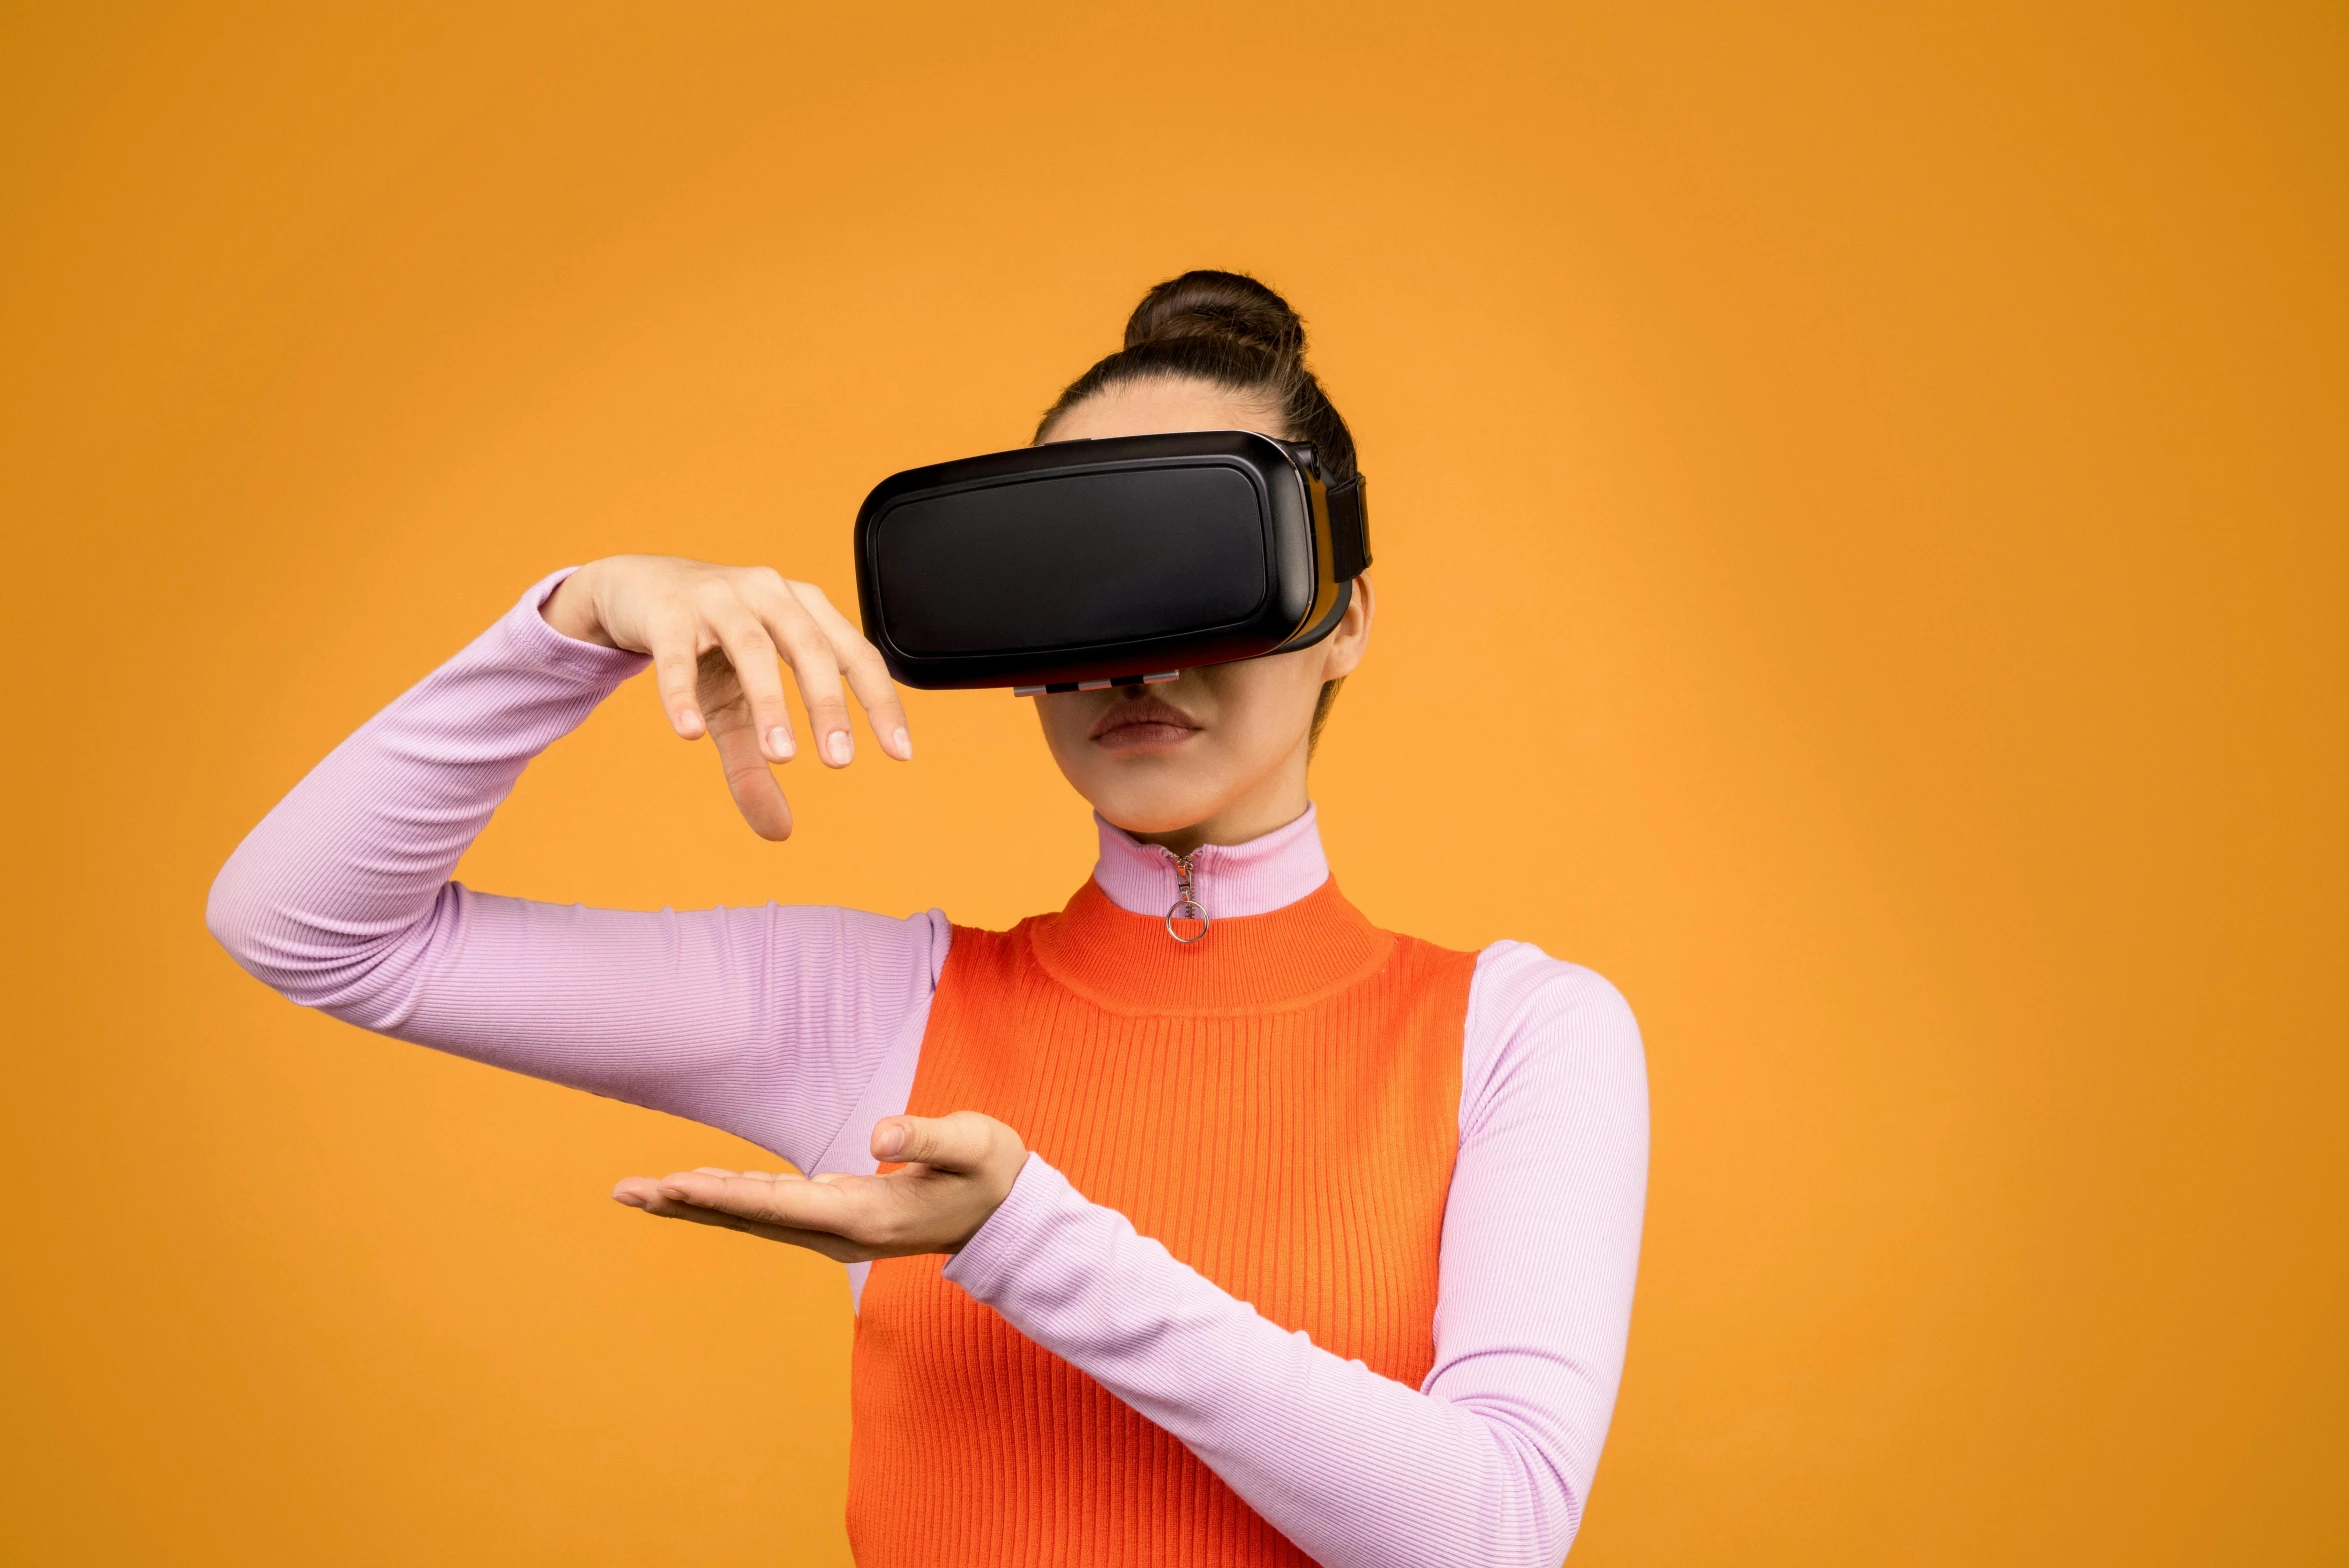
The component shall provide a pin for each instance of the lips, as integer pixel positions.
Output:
(1147, 720)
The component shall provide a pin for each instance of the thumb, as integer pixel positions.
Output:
(960, 1142)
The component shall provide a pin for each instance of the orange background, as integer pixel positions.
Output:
(1862, 495)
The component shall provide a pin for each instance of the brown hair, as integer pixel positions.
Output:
(1229, 330)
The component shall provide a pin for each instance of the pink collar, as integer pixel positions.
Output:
(1254, 878)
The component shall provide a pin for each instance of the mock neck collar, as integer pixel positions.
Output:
(1231, 880)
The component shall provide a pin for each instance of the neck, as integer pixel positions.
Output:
(1266, 873)
(1278, 800)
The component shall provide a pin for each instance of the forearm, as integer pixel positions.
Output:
(769, 1022)
(342, 885)
(1355, 1468)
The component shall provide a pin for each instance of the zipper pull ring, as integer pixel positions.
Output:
(1186, 907)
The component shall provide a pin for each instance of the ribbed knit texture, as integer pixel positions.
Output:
(798, 1028)
(1278, 1105)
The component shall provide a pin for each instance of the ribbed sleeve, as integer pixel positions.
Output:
(767, 1022)
(798, 1027)
(1490, 1460)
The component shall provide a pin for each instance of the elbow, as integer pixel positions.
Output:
(1567, 1527)
(257, 914)
(1529, 1505)
(1551, 1524)
(1491, 1497)
(232, 915)
(252, 919)
(1516, 1523)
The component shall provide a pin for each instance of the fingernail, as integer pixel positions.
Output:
(888, 1141)
(836, 748)
(904, 745)
(688, 720)
(779, 742)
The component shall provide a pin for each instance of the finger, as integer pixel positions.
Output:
(659, 1195)
(756, 794)
(837, 1248)
(676, 670)
(726, 710)
(724, 1174)
(809, 653)
(645, 1191)
(870, 1212)
(861, 663)
(752, 652)
(801, 1205)
(960, 1142)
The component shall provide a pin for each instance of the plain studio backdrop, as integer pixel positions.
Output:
(1861, 497)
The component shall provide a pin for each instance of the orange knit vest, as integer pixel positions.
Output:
(1278, 1105)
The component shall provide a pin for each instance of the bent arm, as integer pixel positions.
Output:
(766, 1022)
(1490, 1460)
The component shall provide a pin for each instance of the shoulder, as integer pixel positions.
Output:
(971, 950)
(1521, 982)
(1543, 1028)
(838, 931)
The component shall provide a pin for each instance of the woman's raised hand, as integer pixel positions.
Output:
(958, 1171)
(716, 634)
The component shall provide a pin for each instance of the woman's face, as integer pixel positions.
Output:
(1217, 756)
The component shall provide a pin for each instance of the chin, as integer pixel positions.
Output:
(1152, 811)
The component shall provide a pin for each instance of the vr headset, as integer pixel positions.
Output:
(1082, 564)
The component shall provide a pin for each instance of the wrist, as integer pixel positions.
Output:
(572, 609)
(1013, 1232)
(997, 1178)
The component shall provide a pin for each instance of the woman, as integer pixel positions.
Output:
(1300, 1238)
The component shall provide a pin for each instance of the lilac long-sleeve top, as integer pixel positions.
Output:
(799, 1027)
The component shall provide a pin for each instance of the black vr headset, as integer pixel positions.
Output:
(1082, 564)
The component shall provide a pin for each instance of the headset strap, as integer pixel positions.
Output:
(1349, 530)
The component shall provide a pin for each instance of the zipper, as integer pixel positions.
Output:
(1186, 906)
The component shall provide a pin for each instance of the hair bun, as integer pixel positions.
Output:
(1230, 332)
(1227, 305)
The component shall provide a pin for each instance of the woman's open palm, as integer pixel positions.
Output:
(958, 1169)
